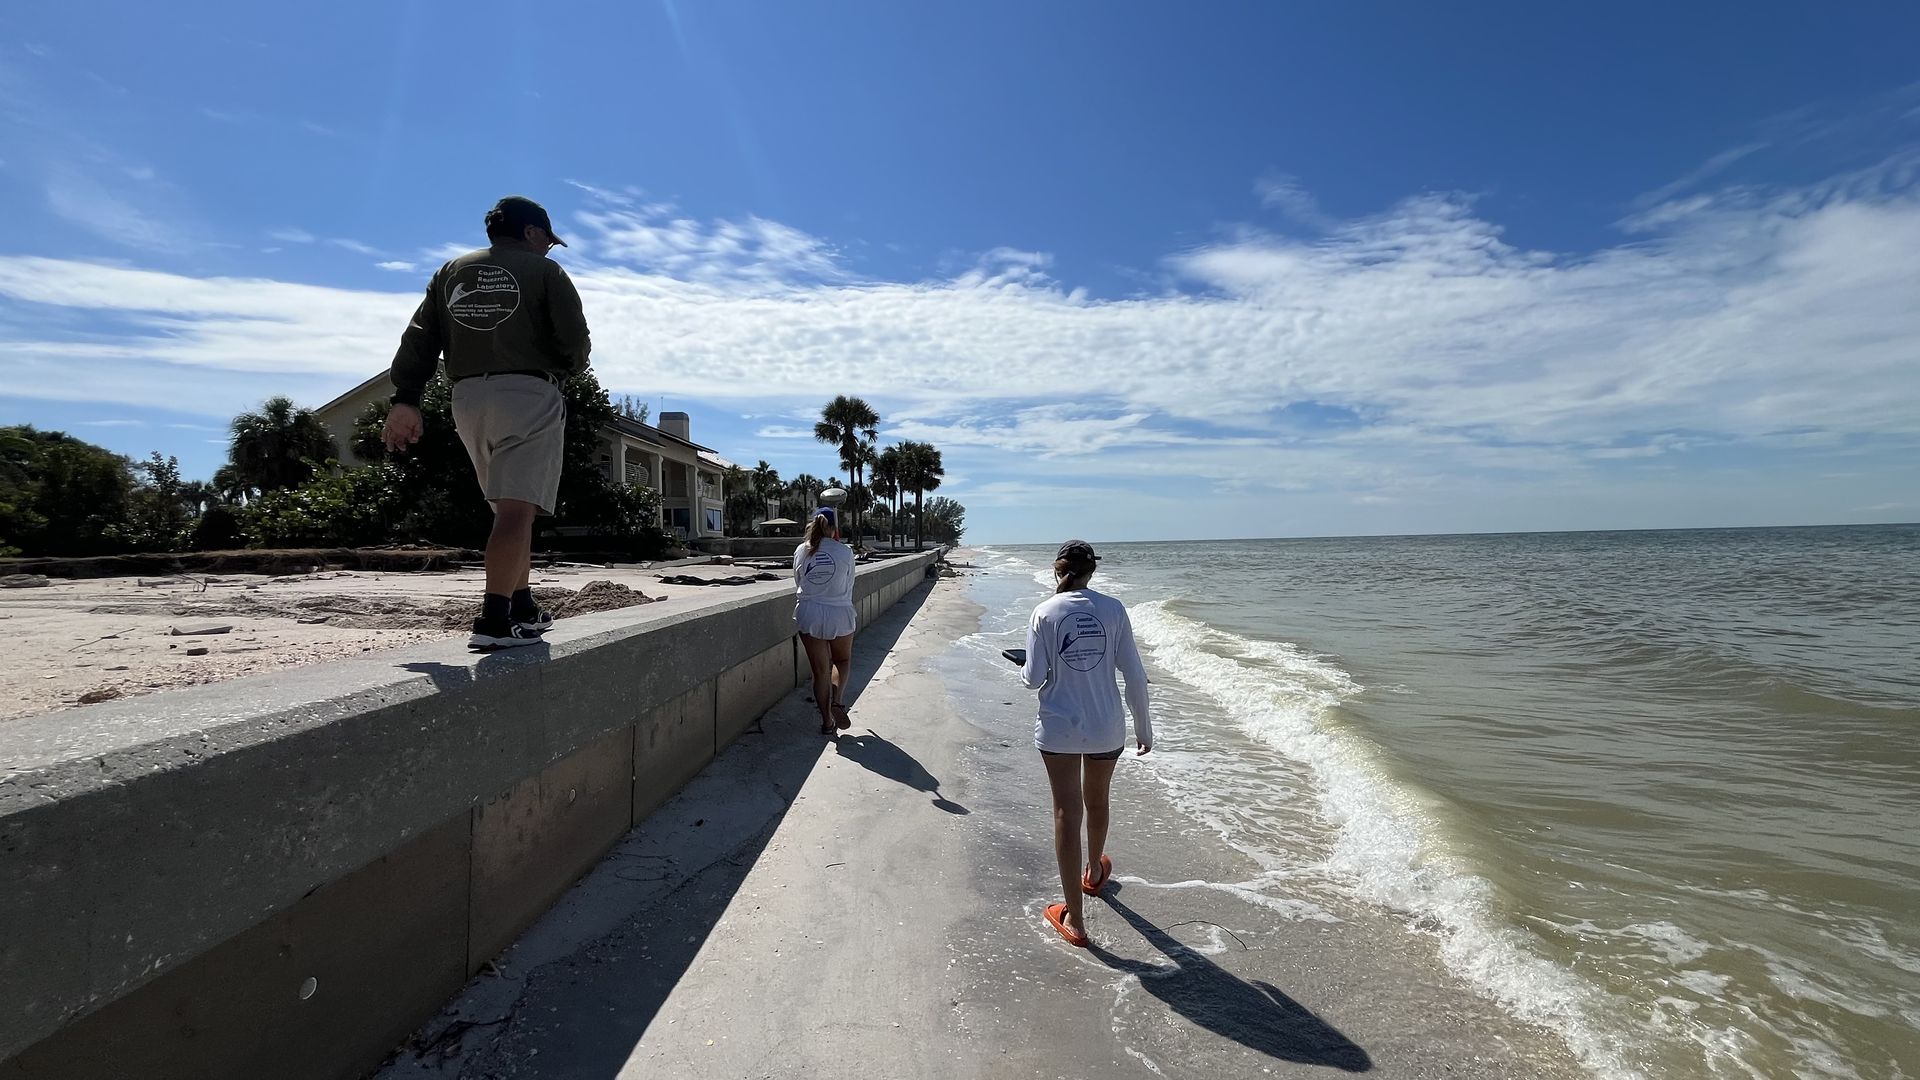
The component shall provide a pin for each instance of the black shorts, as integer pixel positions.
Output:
(1111, 755)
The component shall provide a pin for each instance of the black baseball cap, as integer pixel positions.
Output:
(516, 212)
(1076, 549)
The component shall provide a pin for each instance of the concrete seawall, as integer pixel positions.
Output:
(283, 875)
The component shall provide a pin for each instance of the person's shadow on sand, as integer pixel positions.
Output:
(878, 756)
(1255, 1015)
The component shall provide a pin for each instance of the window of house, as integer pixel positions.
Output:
(713, 519)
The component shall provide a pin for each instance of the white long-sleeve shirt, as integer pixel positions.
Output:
(1076, 643)
(826, 576)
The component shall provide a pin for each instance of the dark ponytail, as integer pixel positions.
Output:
(1073, 568)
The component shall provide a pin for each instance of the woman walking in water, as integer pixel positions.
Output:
(825, 615)
(1076, 641)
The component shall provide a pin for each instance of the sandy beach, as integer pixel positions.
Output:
(872, 907)
(96, 639)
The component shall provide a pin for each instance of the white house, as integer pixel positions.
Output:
(689, 477)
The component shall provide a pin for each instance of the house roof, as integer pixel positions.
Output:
(649, 433)
(357, 392)
(624, 425)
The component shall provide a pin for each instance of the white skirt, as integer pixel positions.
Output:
(829, 621)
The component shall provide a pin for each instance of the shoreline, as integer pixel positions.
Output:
(813, 909)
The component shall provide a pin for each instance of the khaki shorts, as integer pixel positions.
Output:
(515, 429)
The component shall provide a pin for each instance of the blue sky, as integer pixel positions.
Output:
(1228, 270)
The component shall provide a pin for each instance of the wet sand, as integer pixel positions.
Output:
(871, 908)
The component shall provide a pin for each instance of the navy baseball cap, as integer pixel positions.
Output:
(828, 512)
(516, 212)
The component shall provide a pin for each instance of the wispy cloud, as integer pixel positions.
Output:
(608, 196)
(354, 246)
(292, 236)
(397, 264)
(1708, 169)
(1771, 321)
(81, 200)
(653, 239)
(1286, 194)
(113, 423)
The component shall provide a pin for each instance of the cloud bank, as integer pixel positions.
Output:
(1380, 355)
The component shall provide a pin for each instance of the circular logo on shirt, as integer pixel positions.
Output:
(481, 296)
(819, 569)
(1083, 641)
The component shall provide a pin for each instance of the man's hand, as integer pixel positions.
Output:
(1145, 749)
(404, 427)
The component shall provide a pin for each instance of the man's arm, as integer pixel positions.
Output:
(420, 348)
(569, 320)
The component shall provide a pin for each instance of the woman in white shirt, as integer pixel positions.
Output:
(1076, 641)
(825, 615)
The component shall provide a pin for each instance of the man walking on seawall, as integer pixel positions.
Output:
(508, 320)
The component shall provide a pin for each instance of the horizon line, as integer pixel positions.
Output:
(1496, 532)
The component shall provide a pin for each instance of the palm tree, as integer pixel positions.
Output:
(800, 493)
(766, 483)
(198, 495)
(886, 485)
(850, 424)
(922, 471)
(274, 448)
(738, 497)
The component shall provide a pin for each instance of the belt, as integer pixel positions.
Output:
(551, 376)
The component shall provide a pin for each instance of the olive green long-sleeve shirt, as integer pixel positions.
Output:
(497, 309)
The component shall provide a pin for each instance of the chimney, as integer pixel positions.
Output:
(675, 424)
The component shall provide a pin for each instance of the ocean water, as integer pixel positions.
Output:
(1657, 791)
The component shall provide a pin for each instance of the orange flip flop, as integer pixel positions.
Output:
(1057, 915)
(1092, 887)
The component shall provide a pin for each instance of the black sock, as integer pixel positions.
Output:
(523, 605)
(493, 606)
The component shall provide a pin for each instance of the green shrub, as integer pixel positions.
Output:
(61, 496)
(218, 530)
(349, 509)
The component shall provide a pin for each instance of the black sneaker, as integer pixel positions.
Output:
(538, 623)
(500, 633)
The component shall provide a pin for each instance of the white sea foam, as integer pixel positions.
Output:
(1385, 850)
(1707, 984)
(1661, 940)
(1253, 892)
